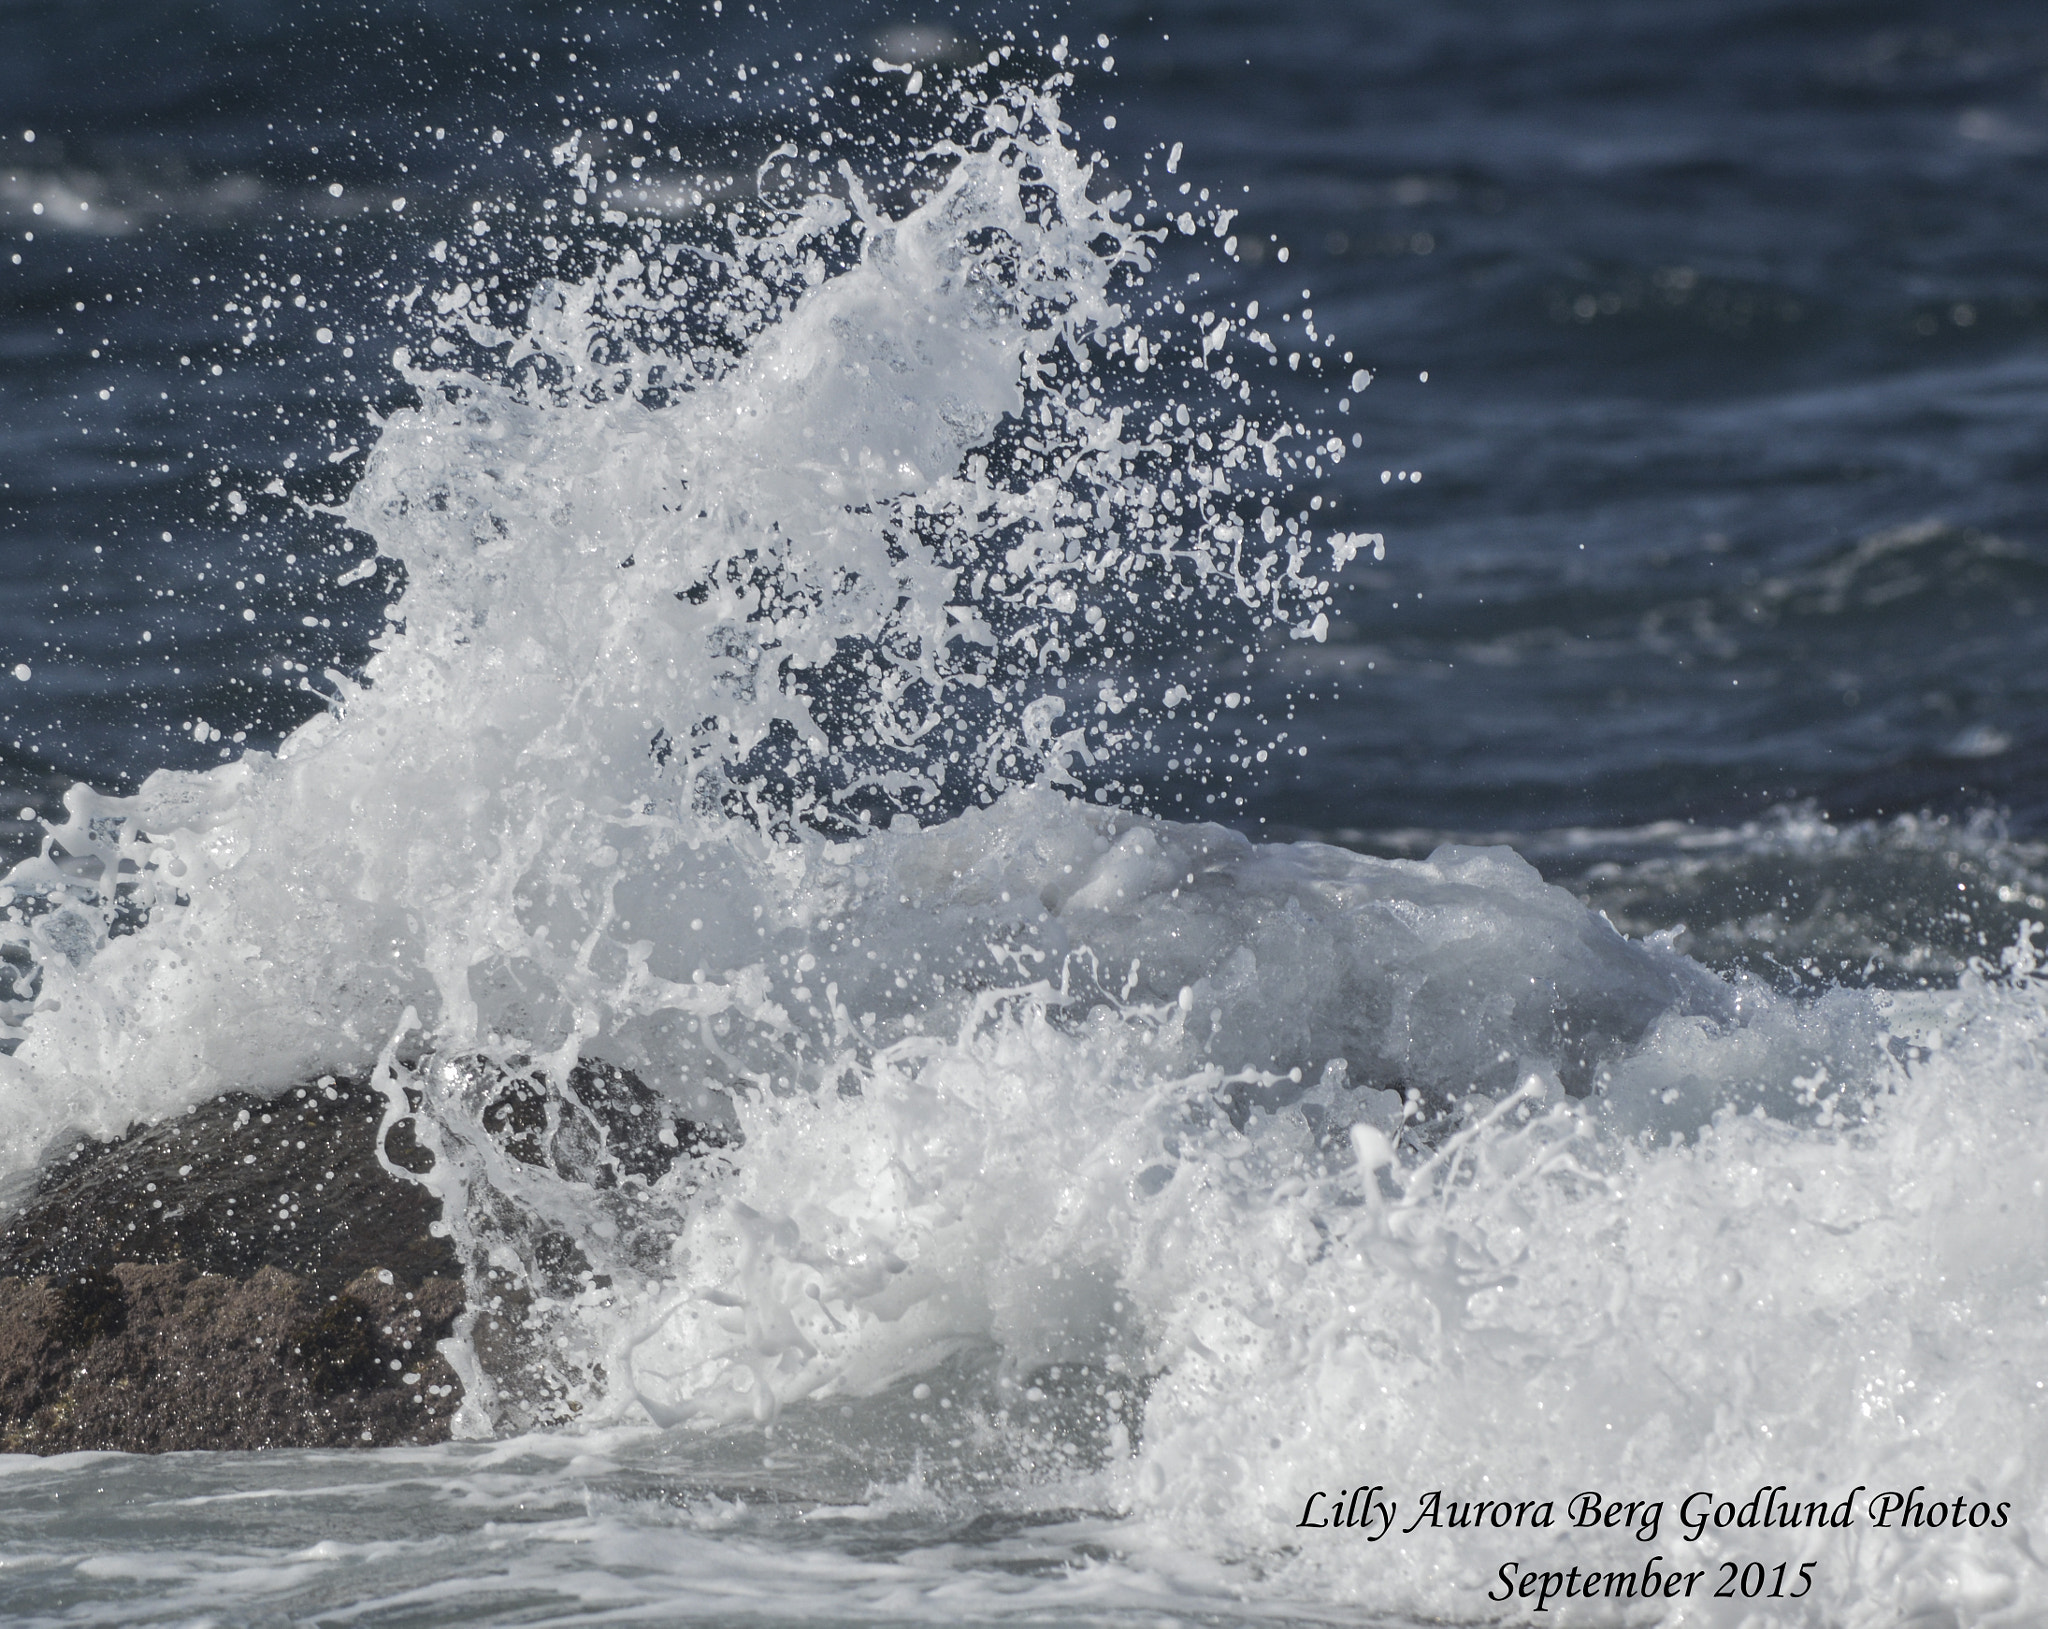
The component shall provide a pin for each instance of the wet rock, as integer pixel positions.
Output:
(88, 1305)
(601, 1146)
(246, 1275)
(198, 1360)
(249, 1274)
(242, 1182)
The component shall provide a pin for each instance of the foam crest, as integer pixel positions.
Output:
(668, 615)
(1074, 987)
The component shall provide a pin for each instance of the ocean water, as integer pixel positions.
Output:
(1315, 726)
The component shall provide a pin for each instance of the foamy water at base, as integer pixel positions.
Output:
(619, 1528)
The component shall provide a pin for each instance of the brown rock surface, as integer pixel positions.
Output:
(198, 1360)
(239, 1183)
(247, 1275)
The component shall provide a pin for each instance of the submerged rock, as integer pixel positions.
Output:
(564, 1184)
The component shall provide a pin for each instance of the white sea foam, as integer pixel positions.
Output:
(1185, 1176)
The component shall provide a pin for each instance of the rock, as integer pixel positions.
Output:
(247, 1275)
(608, 1129)
(237, 1184)
(199, 1360)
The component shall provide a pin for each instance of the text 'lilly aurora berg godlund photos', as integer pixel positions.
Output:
(1370, 1511)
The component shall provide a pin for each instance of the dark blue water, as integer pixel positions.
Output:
(1727, 468)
